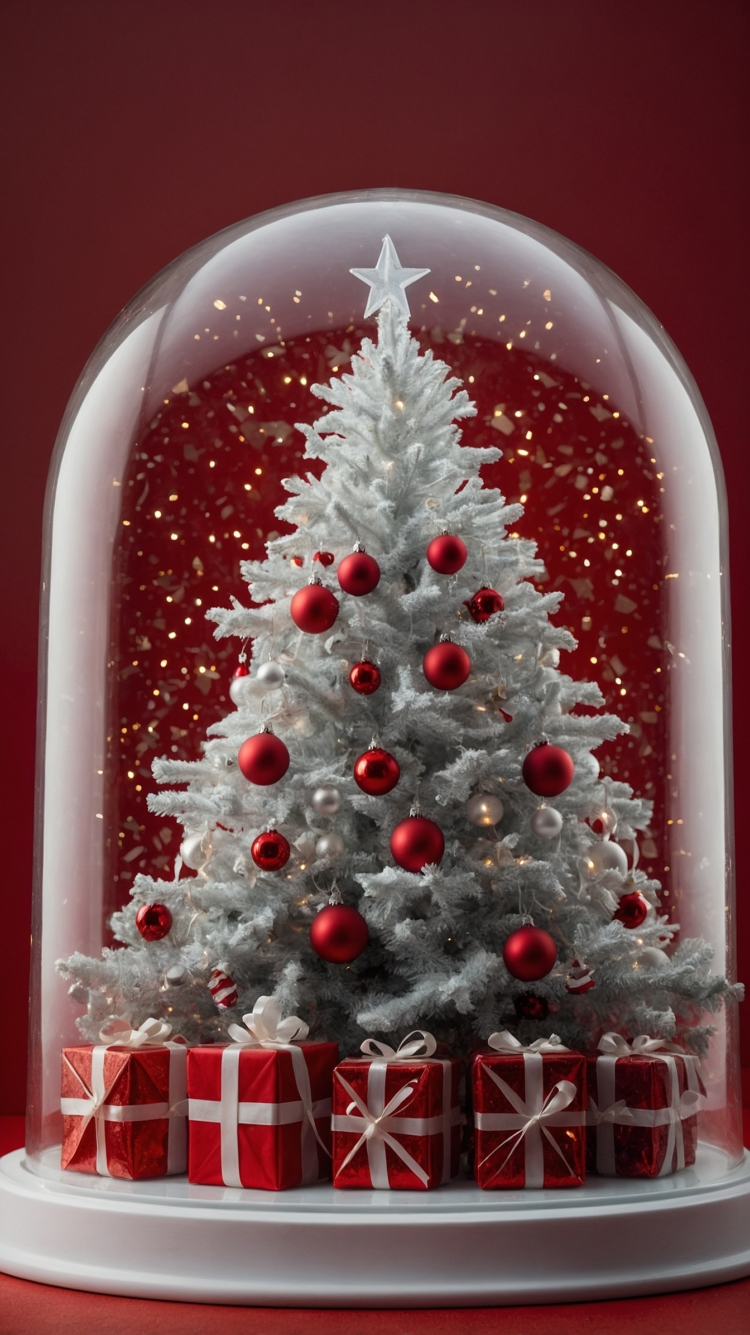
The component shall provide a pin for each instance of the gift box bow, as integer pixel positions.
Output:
(374, 1120)
(118, 1033)
(265, 1027)
(611, 1113)
(506, 1043)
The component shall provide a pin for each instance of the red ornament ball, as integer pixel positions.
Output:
(631, 910)
(297, 561)
(417, 841)
(484, 604)
(270, 851)
(447, 554)
(365, 677)
(153, 921)
(446, 666)
(530, 1007)
(358, 574)
(314, 609)
(263, 759)
(547, 770)
(376, 772)
(325, 558)
(242, 670)
(339, 934)
(529, 954)
(222, 988)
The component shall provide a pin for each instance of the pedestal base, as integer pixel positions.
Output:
(316, 1247)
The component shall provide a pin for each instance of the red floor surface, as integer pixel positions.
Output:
(31, 1309)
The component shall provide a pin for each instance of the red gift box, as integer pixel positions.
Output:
(643, 1103)
(396, 1120)
(124, 1103)
(529, 1114)
(260, 1108)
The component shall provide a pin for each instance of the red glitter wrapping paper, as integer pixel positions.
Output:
(642, 1119)
(530, 1119)
(124, 1111)
(260, 1117)
(396, 1124)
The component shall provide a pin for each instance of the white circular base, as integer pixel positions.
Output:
(316, 1247)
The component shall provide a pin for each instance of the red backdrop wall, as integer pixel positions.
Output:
(132, 130)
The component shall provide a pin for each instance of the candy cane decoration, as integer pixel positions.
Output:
(222, 988)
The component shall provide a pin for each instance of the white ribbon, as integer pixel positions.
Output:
(533, 1116)
(381, 1126)
(265, 1028)
(506, 1043)
(610, 1113)
(152, 1033)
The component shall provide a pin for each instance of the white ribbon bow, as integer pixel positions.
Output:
(267, 1029)
(616, 1113)
(505, 1042)
(619, 1114)
(151, 1034)
(416, 1044)
(531, 1120)
(642, 1046)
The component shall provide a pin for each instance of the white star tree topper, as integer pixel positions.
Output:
(388, 280)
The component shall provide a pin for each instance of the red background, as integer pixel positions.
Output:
(133, 130)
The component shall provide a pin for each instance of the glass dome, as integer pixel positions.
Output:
(167, 472)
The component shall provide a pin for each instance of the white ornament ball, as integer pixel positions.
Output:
(195, 850)
(550, 658)
(77, 992)
(546, 823)
(484, 809)
(607, 856)
(270, 676)
(238, 692)
(330, 845)
(326, 800)
(176, 976)
(653, 958)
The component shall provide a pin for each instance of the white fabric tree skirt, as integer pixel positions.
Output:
(316, 1247)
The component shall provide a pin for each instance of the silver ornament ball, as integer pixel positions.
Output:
(653, 958)
(484, 809)
(330, 845)
(195, 850)
(238, 692)
(270, 676)
(607, 856)
(546, 823)
(326, 800)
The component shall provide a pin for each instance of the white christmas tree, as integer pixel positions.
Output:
(440, 937)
